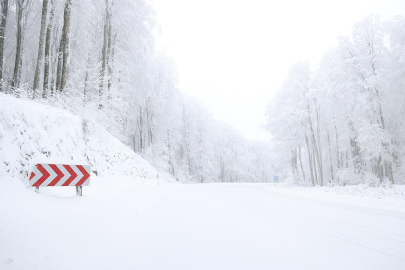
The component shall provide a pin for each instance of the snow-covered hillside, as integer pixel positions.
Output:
(32, 131)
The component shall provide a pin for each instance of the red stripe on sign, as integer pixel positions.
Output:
(72, 175)
(44, 176)
(58, 177)
(86, 175)
(32, 175)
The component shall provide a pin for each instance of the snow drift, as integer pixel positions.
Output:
(32, 131)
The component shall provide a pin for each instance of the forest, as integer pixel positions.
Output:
(343, 122)
(98, 59)
(340, 122)
(125, 126)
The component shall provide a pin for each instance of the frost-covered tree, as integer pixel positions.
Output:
(348, 112)
(98, 60)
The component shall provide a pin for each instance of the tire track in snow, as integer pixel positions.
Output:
(355, 208)
(369, 239)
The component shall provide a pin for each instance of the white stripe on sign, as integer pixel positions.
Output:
(65, 177)
(38, 175)
(87, 168)
(78, 177)
(52, 175)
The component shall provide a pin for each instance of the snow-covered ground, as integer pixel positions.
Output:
(32, 131)
(128, 218)
(132, 223)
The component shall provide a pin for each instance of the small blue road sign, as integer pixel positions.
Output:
(276, 179)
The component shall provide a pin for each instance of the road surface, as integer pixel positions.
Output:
(203, 226)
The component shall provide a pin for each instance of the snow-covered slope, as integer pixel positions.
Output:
(32, 131)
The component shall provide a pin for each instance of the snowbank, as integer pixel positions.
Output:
(32, 131)
(389, 197)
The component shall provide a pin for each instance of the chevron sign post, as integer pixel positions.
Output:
(49, 175)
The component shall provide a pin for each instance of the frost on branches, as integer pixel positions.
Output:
(343, 123)
(97, 59)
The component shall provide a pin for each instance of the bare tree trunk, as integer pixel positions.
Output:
(104, 52)
(40, 48)
(292, 163)
(388, 164)
(110, 50)
(53, 58)
(302, 168)
(330, 157)
(111, 61)
(337, 148)
(316, 150)
(149, 120)
(48, 50)
(314, 163)
(310, 161)
(347, 159)
(222, 166)
(86, 78)
(319, 145)
(379, 169)
(169, 152)
(66, 44)
(356, 151)
(390, 172)
(59, 67)
(356, 155)
(3, 23)
(140, 129)
(15, 83)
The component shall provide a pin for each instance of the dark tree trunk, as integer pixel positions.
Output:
(66, 42)
(59, 67)
(17, 64)
(104, 52)
(40, 48)
(48, 50)
(3, 23)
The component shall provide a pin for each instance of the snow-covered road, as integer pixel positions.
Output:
(247, 227)
(206, 226)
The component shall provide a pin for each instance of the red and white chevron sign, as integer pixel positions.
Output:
(48, 175)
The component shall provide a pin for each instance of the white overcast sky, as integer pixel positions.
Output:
(234, 55)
